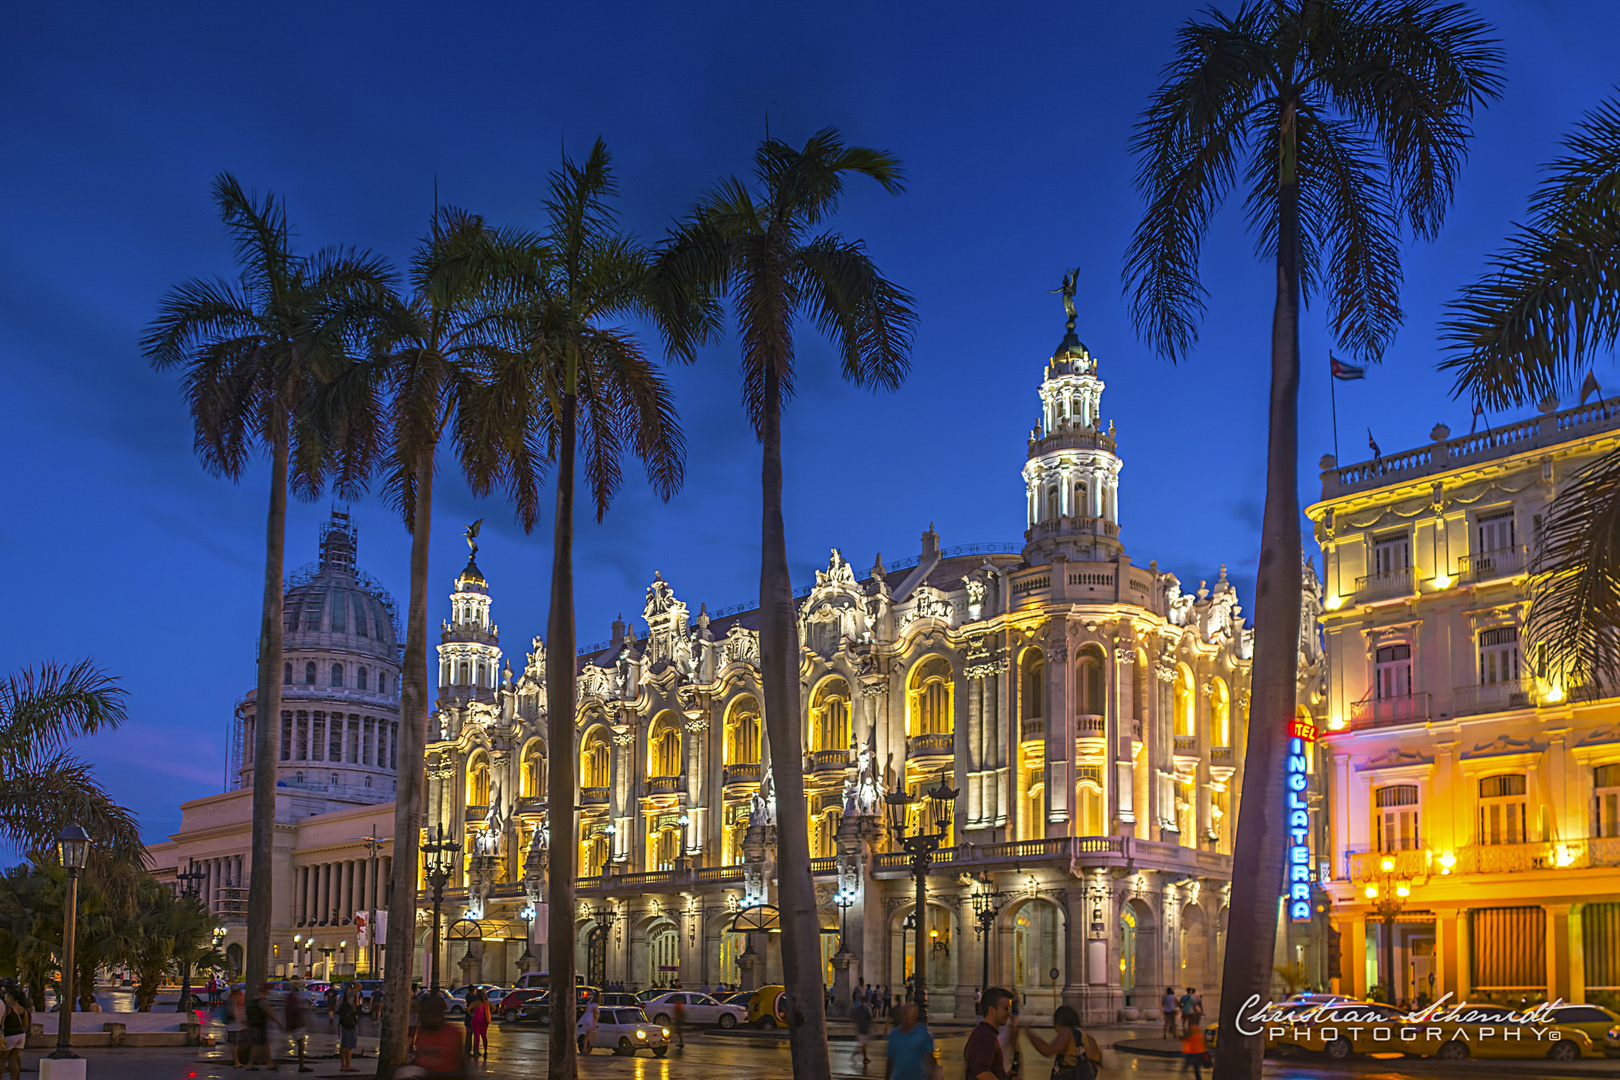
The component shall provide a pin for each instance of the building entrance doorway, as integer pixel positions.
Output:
(596, 941)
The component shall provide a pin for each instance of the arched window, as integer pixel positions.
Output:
(478, 781)
(286, 674)
(595, 761)
(663, 847)
(824, 834)
(829, 716)
(1052, 509)
(337, 674)
(742, 732)
(464, 677)
(360, 679)
(481, 676)
(382, 683)
(593, 855)
(664, 747)
(932, 699)
(1185, 724)
(1090, 683)
(534, 771)
(1032, 694)
(309, 673)
(1220, 713)
(1082, 503)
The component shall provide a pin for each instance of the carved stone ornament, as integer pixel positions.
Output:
(1125, 655)
(700, 724)
(624, 739)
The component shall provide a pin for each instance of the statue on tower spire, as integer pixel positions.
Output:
(1068, 289)
(471, 533)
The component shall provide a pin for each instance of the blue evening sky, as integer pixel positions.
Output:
(1013, 121)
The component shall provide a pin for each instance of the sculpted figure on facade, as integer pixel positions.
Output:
(862, 797)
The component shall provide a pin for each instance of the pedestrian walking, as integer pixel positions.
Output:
(982, 1055)
(585, 1030)
(259, 1019)
(14, 1030)
(348, 1021)
(862, 1015)
(1172, 1013)
(438, 1054)
(478, 1017)
(678, 1020)
(236, 1028)
(1186, 1007)
(294, 1011)
(1067, 1048)
(911, 1048)
(1193, 1052)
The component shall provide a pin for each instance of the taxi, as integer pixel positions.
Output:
(1341, 1028)
(1458, 1033)
(768, 1007)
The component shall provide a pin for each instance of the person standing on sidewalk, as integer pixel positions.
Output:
(1171, 1013)
(1067, 1048)
(679, 1021)
(14, 1028)
(297, 1024)
(348, 1020)
(911, 1048)
(982, 1054)
(1193, 1051)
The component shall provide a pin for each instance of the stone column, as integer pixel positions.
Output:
(1558, 952)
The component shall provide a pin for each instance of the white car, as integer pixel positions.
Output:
(624, 1031)
(700, 1009)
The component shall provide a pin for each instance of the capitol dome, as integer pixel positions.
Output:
(339, 733)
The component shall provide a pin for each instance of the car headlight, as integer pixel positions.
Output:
(640, 1034)
(1614, 1033)
(666, 1033)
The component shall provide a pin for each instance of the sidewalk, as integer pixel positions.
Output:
(1537, 1066)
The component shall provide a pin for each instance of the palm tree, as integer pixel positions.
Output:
(427, 351)
(254, 355)
(1348, 120)
(760, 246)
(569, 375)
(43, 787)
(1524, 331)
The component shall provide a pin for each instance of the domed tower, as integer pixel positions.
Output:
(339, 732)
(469, 643)
(1072, 476)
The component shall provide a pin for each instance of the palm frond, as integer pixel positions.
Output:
(41, 710)
(1574, 624)
(870, 317)
(44, 791)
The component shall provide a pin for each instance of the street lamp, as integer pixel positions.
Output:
(343, 955)
(1387, 896)
(190, 885)
(73, 845)
(326, 961)
(438, 855)
(527, 915)
(987, 904)
(921, 847)
(843, 900)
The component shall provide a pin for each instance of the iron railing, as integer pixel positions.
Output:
(1382, 712)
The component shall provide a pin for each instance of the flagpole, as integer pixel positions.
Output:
(1333, 395)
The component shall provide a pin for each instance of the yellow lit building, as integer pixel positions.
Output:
(1474, 812)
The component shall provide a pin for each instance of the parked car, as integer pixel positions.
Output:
(617, 1000)
(700, 1009)
(625, 1030)
(734, 997)
(513, 1002)
(495, 992)
(538, 1009)
(1595, 1020)
(768, 1007)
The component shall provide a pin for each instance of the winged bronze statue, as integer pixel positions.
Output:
(471, 532)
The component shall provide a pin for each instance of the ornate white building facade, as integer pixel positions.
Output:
(1089, 710)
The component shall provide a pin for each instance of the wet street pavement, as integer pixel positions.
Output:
(519, 1051)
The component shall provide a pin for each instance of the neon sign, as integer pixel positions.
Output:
(1299, 848)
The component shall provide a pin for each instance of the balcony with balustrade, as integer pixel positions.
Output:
(1087, 724)
(1384, 585)
(663, 785)
(1373, 712)
(1414, 864)
(742, 774)
(828, 760)
(1492, 565)
(1482, 698)
(934, 745)
(593, 796)
(1032, 728)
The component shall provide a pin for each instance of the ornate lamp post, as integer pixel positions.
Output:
(438, 855)
(326, 961)
(1387, 895)
(190, 883)
(987, 903)
(298, 944)
(921, 847)
(844, 900)
(73, 845)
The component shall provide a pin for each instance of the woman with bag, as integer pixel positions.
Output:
(1068, 1049)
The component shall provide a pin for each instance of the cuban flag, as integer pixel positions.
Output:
(1344, 371)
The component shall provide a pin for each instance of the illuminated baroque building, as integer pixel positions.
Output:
(1475, 811)
(335, 765)
(1089, 710)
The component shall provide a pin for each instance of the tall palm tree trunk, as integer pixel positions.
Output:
(267, 721)
(400, 954)
(562, 1064)
(779, 669)
(1258, 854)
